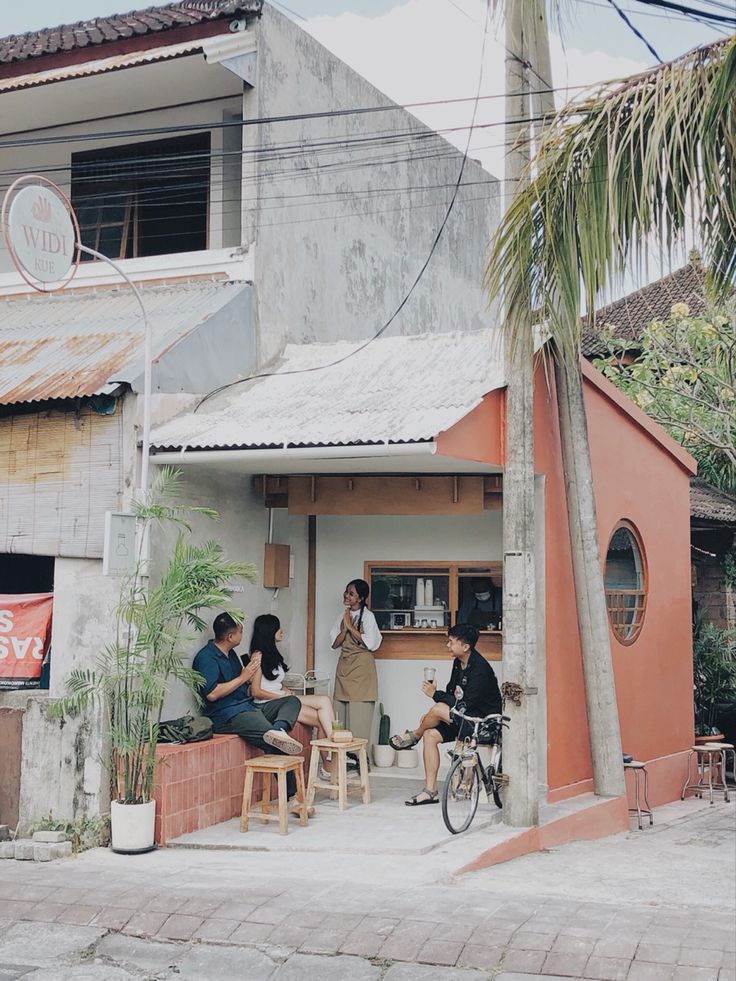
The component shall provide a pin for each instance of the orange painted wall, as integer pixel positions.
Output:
(641, 475)
(654, 675)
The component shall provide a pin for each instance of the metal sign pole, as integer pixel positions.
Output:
(147, 368)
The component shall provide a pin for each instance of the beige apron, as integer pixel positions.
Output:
(355, 677)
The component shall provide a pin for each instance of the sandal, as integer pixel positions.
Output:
(432, 797)
(407, 741)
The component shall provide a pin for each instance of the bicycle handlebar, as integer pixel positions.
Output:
(481, 720)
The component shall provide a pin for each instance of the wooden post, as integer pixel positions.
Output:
(311, 585)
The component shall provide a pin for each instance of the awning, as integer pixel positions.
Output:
(81, 343)
(100, 66)
(349, 403)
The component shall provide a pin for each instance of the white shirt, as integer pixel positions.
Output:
(274, 685)
(369, 632)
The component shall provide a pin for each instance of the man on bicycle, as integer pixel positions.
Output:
(472, 688)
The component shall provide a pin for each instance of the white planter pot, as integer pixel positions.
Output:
(407, 759)
(132, 827)
(383, 755)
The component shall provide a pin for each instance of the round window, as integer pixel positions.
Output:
(625, 582)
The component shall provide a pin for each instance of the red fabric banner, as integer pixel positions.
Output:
(25, 637)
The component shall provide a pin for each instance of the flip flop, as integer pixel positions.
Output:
(407, 741)
(433, 798)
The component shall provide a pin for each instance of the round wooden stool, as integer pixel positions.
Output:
(338, 785)
(277, 766)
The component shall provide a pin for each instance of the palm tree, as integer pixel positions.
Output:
(631, 161)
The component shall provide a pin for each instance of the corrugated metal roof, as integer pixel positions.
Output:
(99, 66)
(396, 389)
(74, 344)
(120, 27)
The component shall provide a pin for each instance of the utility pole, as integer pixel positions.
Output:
(521, 758)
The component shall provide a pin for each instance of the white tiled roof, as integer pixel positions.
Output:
(396, 389)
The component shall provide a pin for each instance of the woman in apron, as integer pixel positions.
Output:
(355, 633)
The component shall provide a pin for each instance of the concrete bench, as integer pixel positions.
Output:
(201, 784)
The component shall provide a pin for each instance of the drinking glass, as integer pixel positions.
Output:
(429, 674)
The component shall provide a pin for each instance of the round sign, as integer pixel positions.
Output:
(41, 232)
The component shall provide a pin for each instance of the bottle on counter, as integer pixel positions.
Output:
(419, 601)
(428, 592)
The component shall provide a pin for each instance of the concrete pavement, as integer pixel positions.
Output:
(656, 905)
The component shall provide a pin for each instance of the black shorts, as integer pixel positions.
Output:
(448, 730)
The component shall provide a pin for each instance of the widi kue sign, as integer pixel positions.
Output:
(25, 636)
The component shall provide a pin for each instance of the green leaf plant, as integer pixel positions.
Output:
(154, 628)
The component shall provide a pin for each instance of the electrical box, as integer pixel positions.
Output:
(118, 555)
(276, 564)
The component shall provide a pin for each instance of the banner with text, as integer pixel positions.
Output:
(25, 637)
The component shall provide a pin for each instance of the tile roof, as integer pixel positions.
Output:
(77, 343)
(119, 27)
(633, 312)
(710, 504)
(394, 390)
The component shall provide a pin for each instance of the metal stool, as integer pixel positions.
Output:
(710, 759)
(638, 768)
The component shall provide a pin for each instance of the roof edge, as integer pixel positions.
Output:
(653, 429)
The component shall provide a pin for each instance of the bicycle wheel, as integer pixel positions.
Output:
(460, 796)
(496, 770)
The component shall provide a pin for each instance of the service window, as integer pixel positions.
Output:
(414, 603)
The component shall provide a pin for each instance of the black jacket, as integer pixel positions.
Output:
(473, 687)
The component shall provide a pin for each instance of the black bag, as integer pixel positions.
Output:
(188, 729)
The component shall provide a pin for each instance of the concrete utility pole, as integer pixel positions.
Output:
(521, 761)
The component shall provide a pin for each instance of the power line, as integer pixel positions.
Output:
(634, 29)
(695, 11)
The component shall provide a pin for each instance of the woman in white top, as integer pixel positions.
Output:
(268, 680)
(355, 633)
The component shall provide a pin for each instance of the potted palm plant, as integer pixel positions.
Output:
(714, 677)
(153, 632)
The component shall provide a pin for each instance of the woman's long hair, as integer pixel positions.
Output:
(362, 589)
(265, 628)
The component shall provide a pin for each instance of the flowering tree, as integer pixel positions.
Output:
(684, 376)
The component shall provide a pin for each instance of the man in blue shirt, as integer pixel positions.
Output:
(227, 699)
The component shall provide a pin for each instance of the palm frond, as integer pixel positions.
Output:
(625, 163)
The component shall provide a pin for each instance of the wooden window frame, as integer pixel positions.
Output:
(616, 598)
(430, 643)
(131, 186)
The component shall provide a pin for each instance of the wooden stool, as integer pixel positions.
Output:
(338, 785)
(710, 759)
(636, 767)
(278, 766)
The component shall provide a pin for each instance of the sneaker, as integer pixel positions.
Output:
(282, 741)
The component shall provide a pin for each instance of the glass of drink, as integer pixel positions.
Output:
(429, 674)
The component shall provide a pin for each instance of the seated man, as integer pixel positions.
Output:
(227, 698)
(472, 688)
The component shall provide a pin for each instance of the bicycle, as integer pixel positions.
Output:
(461, 789)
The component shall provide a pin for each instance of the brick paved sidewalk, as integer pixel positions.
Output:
(174, 903)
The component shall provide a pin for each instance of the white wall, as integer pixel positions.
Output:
(341, 233)
(87, 103)
(243, 530)
(345, 543)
